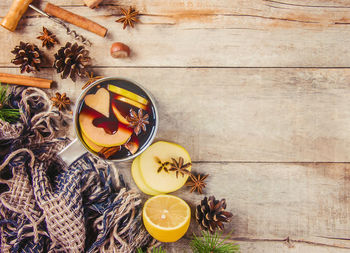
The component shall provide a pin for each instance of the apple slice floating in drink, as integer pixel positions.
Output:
(98, 135)
(91, 144)
(99, 101)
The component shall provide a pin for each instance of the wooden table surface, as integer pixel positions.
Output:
(258, 91)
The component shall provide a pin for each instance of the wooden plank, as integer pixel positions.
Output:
(264, 247)
(231, 33)
(283, 207)
(267, 115)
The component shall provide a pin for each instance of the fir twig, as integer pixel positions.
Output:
(7, 114)
(212, 243)
(154, 250)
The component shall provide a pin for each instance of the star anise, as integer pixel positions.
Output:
(197, 183)
(92, 79)
(163, 166)
(130, 17)
(138, 120)
(179, 167)
(62, 102)
(49, 39)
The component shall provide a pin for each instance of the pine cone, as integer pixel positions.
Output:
(28, 57)
(210, 214)
(71, 60)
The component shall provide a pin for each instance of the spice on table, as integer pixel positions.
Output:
(196, 182)
(120, 50)
(28, 56)
(130, 17)
(138, 120)
(72, 60)
(48, 39)
(92, 79)
(211, 214)
(62, 102)
(179, 167)
(25, 80)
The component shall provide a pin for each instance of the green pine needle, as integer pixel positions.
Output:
(7, 114)
(3, 97)
(154, 250)
(212, 243)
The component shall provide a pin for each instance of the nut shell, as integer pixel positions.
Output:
(120, 50)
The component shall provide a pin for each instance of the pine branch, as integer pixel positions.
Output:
(7, 114)
(212, 243)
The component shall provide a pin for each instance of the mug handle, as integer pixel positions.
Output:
(72, 152)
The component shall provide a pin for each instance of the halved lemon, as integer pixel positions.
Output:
(166, 217)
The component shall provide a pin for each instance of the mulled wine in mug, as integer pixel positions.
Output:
(115, 119)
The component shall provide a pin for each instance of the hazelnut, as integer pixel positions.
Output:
(120, 50)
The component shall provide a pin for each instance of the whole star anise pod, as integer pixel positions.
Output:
(179, 167)
(62, 102)
(92, 79)
(28, 56)
(130, 17)
(71, 60)
(48, 39)
(197, 183)
(163, 166)
(138, 120)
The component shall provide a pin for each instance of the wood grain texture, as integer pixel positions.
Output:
(281, 206)
(256, 90)
(231, 33)
(261, 115)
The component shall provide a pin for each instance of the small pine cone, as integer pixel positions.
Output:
(211, 214)
(71, 60)
(27, 56)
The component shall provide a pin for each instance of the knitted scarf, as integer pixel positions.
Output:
(46, 206)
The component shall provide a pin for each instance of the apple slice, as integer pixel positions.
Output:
(135, 172)
(128, 94)
(131, 102)
(118, 115)
(162, 181)
(91, 144)
(99, 101)
(98, 135)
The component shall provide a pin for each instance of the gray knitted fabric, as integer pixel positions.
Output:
(47, 207)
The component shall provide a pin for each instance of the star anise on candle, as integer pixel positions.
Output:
(130, 17)
(62, 102)
(197, 183)
(48, 39)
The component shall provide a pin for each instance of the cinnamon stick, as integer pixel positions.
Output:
(75, 19)
(25, 80)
